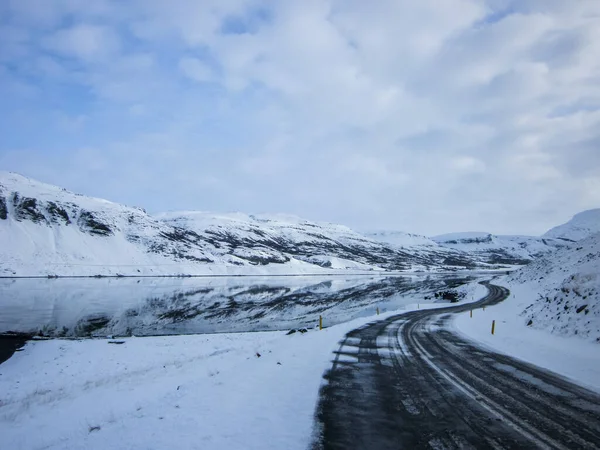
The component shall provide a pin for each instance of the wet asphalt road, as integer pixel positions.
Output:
(408, 382)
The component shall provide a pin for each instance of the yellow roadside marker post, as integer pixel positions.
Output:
(320, 322)
(493, 326)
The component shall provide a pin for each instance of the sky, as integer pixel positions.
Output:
(428, 117)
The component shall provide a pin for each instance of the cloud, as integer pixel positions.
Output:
(468, 164)
(87, 42)
(428, 116)
(195, 69)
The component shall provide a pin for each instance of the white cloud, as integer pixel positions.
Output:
(195, 69)
(475, 113)
(468, 164)
(85, 41)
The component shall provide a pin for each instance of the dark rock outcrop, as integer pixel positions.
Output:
(27, 209)
(3, 209)
(57, 213)
(89, 223)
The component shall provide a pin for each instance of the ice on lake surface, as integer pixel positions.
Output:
(162, 306)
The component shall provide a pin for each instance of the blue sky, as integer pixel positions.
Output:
(429, 117)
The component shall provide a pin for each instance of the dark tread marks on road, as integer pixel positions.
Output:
(409, 382)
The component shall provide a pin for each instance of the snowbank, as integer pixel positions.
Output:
(572, 358)
(564, 291)
(552, 318)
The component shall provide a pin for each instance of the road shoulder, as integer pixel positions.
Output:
(572, 358)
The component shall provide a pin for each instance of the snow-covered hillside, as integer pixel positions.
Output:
(325, 245)
(401, 239)
(498, 249)
(46, 230)
(564, 290)
(579, 227)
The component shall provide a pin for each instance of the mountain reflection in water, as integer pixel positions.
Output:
(151, 306)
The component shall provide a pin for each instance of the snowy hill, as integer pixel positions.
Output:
(46, 230)
(579, 227)
(566, 289)
(498, 249)
(401, 239)
(325, 245)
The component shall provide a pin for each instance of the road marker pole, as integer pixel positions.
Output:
(378, 310)
(320, 322)
(493, 326)
(471, 314)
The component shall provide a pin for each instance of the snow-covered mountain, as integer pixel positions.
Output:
(499, 249)
(565, 290)
(325, 245)
(401, 239)
(579, 227)
(46, 230)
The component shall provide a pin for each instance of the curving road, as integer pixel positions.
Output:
(409, 382)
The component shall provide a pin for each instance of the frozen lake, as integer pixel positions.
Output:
(164, 306)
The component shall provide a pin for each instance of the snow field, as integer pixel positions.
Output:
(204, 391)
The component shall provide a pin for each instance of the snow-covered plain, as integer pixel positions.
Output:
(203, 391)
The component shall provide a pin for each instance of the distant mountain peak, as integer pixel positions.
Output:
(579, 227)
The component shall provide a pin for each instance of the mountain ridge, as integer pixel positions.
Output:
(46, 230)
(580, 226)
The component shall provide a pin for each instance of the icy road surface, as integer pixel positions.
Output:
(409, 382)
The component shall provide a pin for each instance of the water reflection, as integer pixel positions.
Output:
(125, 307)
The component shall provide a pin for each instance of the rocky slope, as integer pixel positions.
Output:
(46, 230)
(565, 290)
(499, 249)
